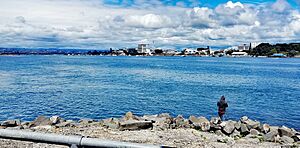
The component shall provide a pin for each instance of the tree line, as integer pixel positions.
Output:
(266, 49)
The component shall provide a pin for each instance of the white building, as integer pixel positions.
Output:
(244, 47)
(143, 49)
(190, 51)
(255, 44)
(235, 54)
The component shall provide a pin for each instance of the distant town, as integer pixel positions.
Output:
(244, 50)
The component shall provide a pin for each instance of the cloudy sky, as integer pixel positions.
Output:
(103, 24)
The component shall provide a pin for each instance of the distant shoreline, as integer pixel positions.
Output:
(143, 55)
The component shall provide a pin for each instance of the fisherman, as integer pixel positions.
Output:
(222, 105)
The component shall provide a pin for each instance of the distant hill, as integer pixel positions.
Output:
(266, 49)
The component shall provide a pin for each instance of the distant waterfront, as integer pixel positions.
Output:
(76, 87)
(259, 50)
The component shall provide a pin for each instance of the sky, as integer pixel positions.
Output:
(103, 24)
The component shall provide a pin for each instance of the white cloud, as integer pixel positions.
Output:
(232, 5)
(149, 21)
(281, 5)
(295, 23)
(93, 24)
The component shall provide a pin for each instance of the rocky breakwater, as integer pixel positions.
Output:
(231, 133)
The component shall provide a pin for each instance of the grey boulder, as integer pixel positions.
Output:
(40, 121)
(244, 129)
(11, 123)
(229, 127)
(270, 136)
(286, 140)
(135, 125)
(285, 131)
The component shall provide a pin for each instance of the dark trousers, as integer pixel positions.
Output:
(221, 115)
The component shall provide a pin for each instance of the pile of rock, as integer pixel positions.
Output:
(40, 122)
(245, 127)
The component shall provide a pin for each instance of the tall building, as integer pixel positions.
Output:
(254, 44)
(244, 47)
(143, 48)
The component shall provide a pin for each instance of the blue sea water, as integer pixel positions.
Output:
(76, 87)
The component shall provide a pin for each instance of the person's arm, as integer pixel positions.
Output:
(226, 105)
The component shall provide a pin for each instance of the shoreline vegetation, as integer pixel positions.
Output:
(162, 129)
(262, 50)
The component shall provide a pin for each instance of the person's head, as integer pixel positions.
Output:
(222, 98)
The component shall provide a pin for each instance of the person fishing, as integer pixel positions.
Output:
(222, 105)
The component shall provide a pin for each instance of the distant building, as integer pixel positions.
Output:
(239, 54)
(244, 47)
(253, 45)
(189, 51)
(143, 49)
(171, 52)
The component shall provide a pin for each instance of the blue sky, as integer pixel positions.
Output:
(125, 23)
(193, 3)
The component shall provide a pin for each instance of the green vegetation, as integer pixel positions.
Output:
(266, 49)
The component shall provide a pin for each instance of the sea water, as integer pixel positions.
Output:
(75, 87)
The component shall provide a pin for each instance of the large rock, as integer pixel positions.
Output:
(56, 120)
(215, 127)
(296, 138)
(215, 123)
(130, 116)
(274, 128)
(187, 124)
(160, 122)
(158, 119)
(135, 125)
(244, 119)
(11, 123)
(229, 127)
(215, 120)
(270, 136)
(286, 140)
(40, 121)
(204, 124)
(235, 134)
(252, 124)
(112, 123)
(237, 125)
(179, 121)
(244, 129)
(254, 132)
(200, 123)
(264, 128)
(193, 119)
(285, 131)
(223, 123)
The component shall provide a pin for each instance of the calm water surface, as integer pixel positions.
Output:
(77, 87)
